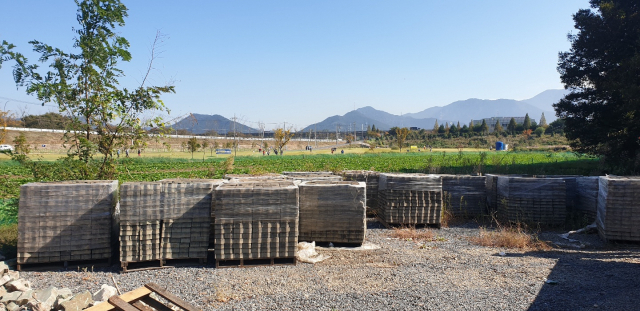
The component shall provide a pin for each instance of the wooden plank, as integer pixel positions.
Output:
(121, 304)
(127, 297)
(171, 297)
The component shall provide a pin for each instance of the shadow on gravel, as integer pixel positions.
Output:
(591, 280)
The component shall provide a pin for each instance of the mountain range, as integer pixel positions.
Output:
(461, 111)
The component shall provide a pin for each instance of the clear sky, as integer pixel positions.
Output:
(303, 61)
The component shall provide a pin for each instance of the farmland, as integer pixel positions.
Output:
(150, 169)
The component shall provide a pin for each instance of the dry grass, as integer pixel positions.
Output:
(413, 234)
(9, 240)
(509, 237)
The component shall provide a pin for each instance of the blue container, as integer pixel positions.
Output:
(499, 146)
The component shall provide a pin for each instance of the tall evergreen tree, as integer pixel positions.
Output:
(498, 128)
(543, 121)
(511, 128)
(436, 127)
(484, 128)
(471, 124)
(602, 112)
(527, 122)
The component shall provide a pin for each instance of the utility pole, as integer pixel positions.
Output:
(235, 142)
(315, 132)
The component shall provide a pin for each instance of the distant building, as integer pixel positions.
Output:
(504, 121)
(414, 128)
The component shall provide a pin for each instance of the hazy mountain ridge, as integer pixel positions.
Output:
(461, 111)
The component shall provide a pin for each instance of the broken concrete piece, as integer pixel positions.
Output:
(47, 296)
(3, 268)
(5, 279)
(12, 307)
(104, 293)
(13, 274)
(10, 297)
(25, 298)
(65, 293)
(78, 302)
(18, 285)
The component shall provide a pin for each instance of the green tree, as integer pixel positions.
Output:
(511, 127)
(498, 128)
(484, 128)
(602, 112)
(282, 138)
(539, 131)
(192, 146)
(527, 122)
(84, 84)
(454, 129)
(441, 129)
(436, 127)
(401, 136)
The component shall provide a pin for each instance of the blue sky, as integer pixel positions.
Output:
(303, 61)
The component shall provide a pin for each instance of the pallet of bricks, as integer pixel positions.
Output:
(311, 176)
(332, 211)
(256, 222)
(618, 217)
(410, 199)
(252, 177)
(532, 200)
(371, 180)
(465, 195)
(65, 221)
(587, 196)
(165, 220)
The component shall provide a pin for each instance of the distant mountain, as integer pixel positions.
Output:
(466, 110)
(204, 123)
(546, 99)
(368, 116)
(463, 111)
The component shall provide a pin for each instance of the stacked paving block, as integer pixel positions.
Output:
(618, 215)
(332, 211)
(571, 184)
(410, 199)
(168, 219)
(532, 200)
(312, 176)
(250, 177)
(65, 221)
(256, 220)
(491, 188)
(465, 195)
(587, 196)
(371, 179)
(186, 222)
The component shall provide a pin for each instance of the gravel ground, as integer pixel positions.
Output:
(447, 274)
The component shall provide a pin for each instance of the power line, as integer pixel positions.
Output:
(26, 102)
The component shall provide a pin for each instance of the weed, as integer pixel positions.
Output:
(9, 240)
(513, 236)
(413, 234)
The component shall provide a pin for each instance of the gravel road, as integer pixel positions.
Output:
(447, 274)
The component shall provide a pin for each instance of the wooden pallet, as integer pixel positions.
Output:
(247, 263)
(158, 264)
(63, 265)
(140, 299)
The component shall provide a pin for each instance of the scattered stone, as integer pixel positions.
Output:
(2, 292)
(26, 297)
(2, 307)
(65, 293)
(104, 293)
(57, 305)
(12, 307)
(46, 297)
(5, 279)
(13, 274)
(78, 302)
(3, 268)
(18, 285)
(10, 297)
